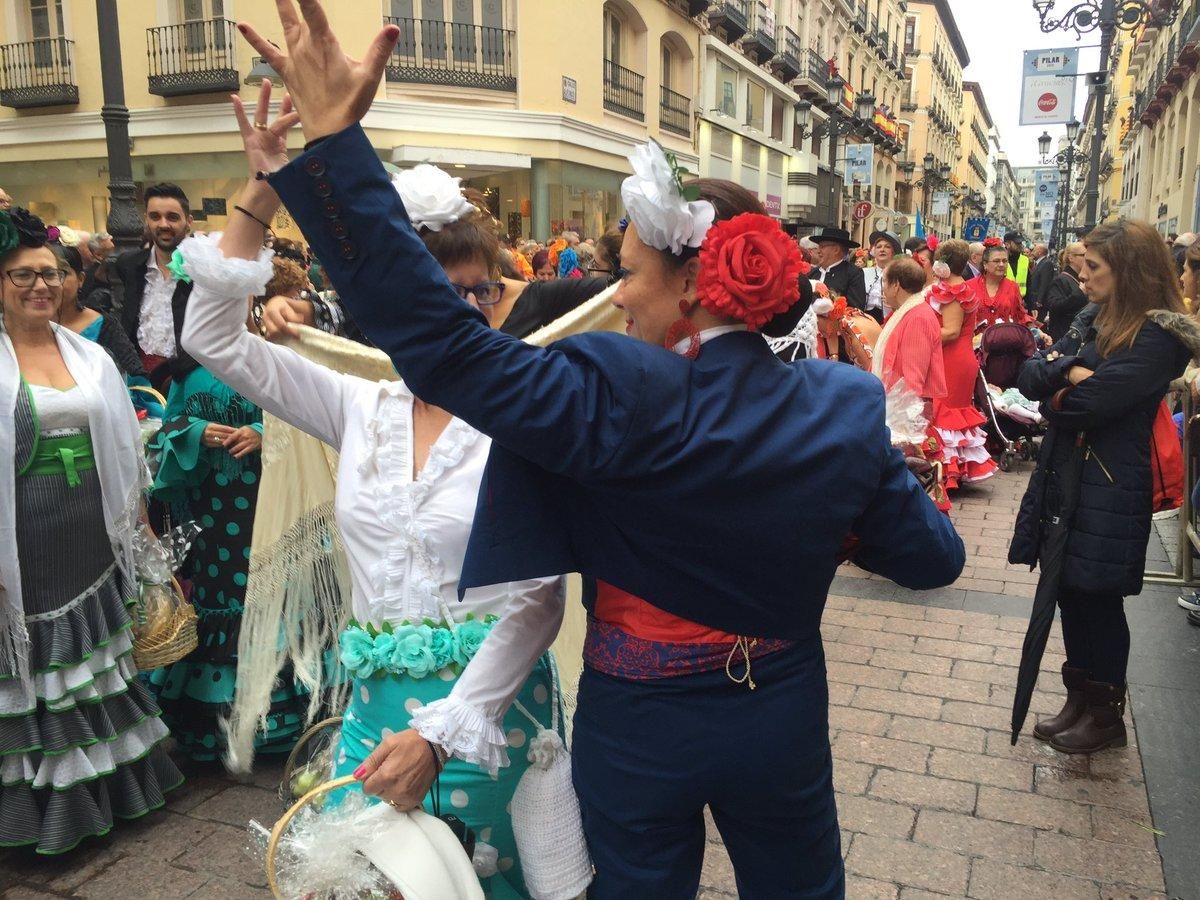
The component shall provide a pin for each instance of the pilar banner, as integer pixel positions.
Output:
(1048, 86)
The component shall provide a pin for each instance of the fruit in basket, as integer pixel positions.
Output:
(305, 781)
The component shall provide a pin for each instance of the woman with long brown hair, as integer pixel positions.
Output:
(1101, 404)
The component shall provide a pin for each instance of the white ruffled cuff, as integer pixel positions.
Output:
(464, 732)
(212, 270)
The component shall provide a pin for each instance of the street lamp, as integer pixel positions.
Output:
(1065, 160)
(124, 222)
(1044, 145)
(1107, 16)
(933, 177)
(836, 125)
(1073, 130)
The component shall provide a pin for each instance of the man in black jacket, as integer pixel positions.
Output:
(1042, 272)
(842, 276)
(152, 301)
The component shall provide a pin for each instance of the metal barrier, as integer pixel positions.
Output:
(1188, 540)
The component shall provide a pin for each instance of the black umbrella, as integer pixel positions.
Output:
(1057, 513)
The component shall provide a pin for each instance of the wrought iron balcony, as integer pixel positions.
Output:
(884, 46)
(786, 63)
(38, 73)
(873, 31)
(860, 18)
(696, 7)
(430, 51)
(675, 112)
(193, 58)
(814, 73)
(731, 16)
(759, 42)
(624, 91)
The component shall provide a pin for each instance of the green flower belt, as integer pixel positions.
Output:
(410, 649)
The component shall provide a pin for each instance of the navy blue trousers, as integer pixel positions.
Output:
(649, 756)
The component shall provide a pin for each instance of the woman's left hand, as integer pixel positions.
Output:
(400, 770)
(1079, 374)
(243, 441)
(265, 142)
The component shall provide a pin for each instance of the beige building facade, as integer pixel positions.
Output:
(534, 107)
(1160, 139)
(972, 176)
(933, 109)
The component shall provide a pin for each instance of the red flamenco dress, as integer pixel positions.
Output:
(957, 421)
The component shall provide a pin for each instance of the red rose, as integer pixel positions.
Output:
(749, 269)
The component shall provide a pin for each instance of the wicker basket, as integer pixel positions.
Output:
(289, 768)
(285, 820)
(170, 641)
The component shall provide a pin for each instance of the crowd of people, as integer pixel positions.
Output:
(673, 467)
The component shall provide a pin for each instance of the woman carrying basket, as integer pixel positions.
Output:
(675, 471)
(80, 737)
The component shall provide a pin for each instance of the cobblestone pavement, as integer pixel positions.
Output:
(932, 798)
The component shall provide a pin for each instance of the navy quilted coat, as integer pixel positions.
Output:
(1110, 416)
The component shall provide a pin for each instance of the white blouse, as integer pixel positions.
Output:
(405, 538)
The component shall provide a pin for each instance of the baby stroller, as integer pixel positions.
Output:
(1013, 421)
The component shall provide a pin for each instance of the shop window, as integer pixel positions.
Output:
(721, 143)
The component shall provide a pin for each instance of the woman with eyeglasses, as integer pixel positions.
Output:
(1064, 298)
(408, 476)
(80, 737)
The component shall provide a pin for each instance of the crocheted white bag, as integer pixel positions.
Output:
(545, 816)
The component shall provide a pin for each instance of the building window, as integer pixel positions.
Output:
(1180, 175)
(190, 10)
(45, 19)
(726, 89)
(612, 37)
(756, 99)
(910, 34)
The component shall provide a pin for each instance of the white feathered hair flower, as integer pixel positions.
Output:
(665, 219)
(431, 196)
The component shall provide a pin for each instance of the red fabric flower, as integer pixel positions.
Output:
(932, 242)
(993, 242)
(749, 269)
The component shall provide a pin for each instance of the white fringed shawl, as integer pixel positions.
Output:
(120, 463)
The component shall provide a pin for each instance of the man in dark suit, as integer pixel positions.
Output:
(151, 301)
(839, 273)
(1041, 273)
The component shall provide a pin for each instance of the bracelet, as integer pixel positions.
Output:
(439, 756)
(246, 212)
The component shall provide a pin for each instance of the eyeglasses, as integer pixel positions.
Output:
(487, 293)
(25, 278)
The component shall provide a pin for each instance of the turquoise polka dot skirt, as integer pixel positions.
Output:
(382, 705)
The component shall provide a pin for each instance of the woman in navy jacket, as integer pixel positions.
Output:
(713, 488)
(1101, 393)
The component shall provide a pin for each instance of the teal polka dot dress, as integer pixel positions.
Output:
(210, 487)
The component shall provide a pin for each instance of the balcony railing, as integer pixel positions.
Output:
(38, 73)
(675, 112)
(193, 58)
(759, 42)
(860, 17)
(788, 54)
(430, 51)
(624, 91)
(732, 16)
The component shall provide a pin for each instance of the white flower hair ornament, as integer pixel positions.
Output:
(433, 198)
(658, 204)
(942, 269)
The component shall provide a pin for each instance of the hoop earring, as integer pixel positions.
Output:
(681, 329)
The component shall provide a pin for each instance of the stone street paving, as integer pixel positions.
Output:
(932, 798)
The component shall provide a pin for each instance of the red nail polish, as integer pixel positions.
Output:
(360, 771)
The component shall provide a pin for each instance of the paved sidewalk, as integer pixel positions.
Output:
(932, 798)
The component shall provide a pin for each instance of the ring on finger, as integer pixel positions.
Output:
(261, 126)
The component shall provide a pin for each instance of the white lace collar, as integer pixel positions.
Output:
(707, 335)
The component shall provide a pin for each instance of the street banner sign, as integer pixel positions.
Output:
(1046, 183)
(976, 229)
(941, 203)
(1048, 86)
(860, 164)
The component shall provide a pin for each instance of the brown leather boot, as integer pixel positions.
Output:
(1075, 681)
(1100, 726)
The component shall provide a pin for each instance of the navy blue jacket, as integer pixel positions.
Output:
(1111, 415)
(720, 490)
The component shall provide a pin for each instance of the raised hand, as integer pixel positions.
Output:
(265, 142)
(330, 89)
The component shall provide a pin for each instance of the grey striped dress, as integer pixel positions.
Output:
(80, 743)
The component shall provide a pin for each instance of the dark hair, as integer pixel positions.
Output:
(168, 191)
(290, 249)
(541, 259)
(728, 199)
(70, 256)
(992, 251)
(907, 273)
(610, 245)
(915, 244)
(31, 231)
(475, 237)
(956, 254)
(1144, 277)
